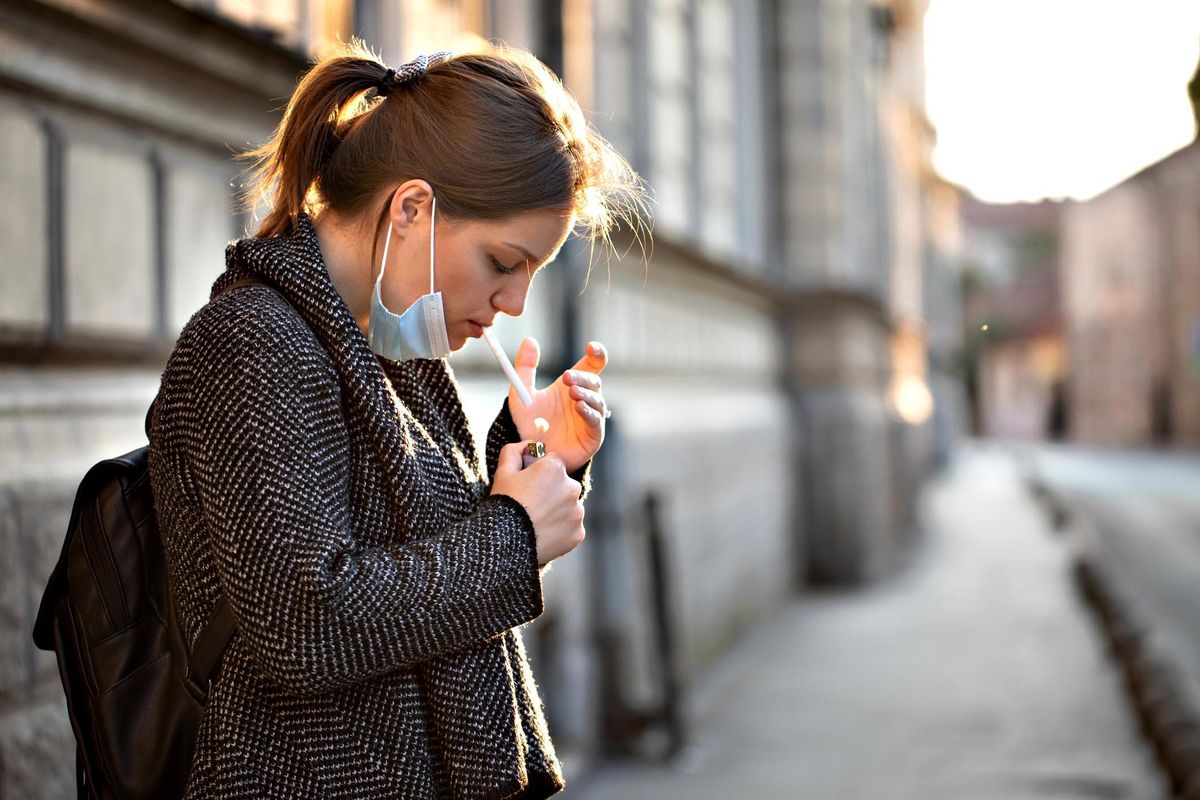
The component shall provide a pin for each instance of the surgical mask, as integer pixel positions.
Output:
(420, 332)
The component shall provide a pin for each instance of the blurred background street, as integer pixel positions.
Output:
(913, 357)
(974, 672)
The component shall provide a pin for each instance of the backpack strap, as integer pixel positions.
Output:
(251, 281)
(211, 643)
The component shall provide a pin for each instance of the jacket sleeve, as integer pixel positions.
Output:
(318, 606)
(504, 431)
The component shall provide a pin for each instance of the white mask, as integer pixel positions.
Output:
(420, 332)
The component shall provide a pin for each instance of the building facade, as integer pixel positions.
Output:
(1131, 293)
(782, 358)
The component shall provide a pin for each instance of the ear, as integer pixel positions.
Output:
(412, 199)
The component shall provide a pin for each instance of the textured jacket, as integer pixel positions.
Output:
(337, 500)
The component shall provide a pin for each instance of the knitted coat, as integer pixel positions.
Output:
(336, 498)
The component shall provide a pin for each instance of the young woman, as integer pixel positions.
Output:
(310, 459)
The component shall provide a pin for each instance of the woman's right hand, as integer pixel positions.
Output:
(549, 496)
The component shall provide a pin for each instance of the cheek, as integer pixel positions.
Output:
(468, 289)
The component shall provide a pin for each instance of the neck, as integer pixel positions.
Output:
(347, 255)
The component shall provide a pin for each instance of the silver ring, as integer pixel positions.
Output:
(607, 412)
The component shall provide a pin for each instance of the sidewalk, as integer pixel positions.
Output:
(1135, 515)
(974, 674)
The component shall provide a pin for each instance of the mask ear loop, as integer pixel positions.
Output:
(432, 223)
(383, 266)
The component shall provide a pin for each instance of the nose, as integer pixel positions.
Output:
(511, 300)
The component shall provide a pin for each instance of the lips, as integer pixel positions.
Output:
(476, 328)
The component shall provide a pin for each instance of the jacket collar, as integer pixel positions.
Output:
(294, 266)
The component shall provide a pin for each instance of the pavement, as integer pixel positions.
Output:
(974, 673)
(1136, 516)
(1143, 509)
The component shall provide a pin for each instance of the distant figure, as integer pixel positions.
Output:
(1056, 426)
(310, 457)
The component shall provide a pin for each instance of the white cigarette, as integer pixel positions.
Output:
(507, 366)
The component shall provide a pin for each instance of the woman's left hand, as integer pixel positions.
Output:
(573, 406)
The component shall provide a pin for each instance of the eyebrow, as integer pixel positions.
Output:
(528, 255)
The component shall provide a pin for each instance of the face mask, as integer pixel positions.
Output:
(420, 332)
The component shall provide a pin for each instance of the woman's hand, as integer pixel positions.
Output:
(549, 496)
(573, 406)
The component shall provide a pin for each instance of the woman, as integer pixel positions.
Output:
(310, 459)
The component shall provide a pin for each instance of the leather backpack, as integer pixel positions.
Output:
(135, 694)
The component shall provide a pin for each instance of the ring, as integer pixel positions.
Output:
(607, 412)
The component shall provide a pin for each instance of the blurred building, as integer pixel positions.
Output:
(1131, 292)
(1015, 353)
(783, 369)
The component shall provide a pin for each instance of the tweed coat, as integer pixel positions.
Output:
(338, 501)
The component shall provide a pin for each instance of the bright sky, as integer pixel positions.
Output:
(1057, 98)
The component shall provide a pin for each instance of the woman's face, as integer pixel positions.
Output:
(482, 268)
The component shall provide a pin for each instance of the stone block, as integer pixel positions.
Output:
(669, 44)
(199, 207)
(799, 28)
(109, 247)
(849, 482)
(714, 30)
(613, 16)
(33, 521)
(724, 475)
(14, 639)
(839, 347)
(37, 753)
(43, 513)
(24, 255)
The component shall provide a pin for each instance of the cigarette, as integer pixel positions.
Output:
(507, 366)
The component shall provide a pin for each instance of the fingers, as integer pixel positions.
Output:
(590, 414)
(593, 399)
(526, 362)
(511, 458)
(576, 377)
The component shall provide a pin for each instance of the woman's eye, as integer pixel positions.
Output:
(502, 268)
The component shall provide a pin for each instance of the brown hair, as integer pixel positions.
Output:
(494, 133)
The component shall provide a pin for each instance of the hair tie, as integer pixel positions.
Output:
(410, 71)
(385, 83)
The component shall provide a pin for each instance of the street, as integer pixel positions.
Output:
(1144, 510)
(976, 672)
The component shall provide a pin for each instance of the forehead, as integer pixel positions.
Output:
(539, 232)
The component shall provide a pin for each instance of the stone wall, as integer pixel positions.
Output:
(115, 139)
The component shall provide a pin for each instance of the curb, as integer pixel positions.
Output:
(1168, 717)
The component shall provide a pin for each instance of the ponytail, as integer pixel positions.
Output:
(286, 168)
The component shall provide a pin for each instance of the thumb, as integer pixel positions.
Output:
(526, 364)
(509, 459)
(595, 358)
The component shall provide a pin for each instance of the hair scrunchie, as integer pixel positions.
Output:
(410, 71)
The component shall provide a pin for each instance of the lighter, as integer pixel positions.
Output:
(533, 451)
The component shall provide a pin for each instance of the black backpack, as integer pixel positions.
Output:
(135, 695)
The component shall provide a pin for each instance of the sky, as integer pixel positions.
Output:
(1057, 98)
